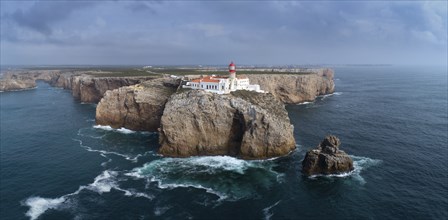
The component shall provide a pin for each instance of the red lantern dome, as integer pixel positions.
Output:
(232, 67)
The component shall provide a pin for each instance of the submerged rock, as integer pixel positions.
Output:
(327, 158)
(243, 124)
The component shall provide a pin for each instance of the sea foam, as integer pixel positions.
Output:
(103, 183)
(39, 205)
(227, 177)
(359, 164)
(104, 152)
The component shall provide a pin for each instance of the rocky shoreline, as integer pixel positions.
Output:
(242, 124)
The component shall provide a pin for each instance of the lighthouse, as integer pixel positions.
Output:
(223, 84)
(232, 70)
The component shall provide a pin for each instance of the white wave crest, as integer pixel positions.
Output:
(267, 211)
(103, 127)
(328, 95)
(304, 103)
(104, 152)
(103, 183)
(161, 185)
(121, 130)
(226, 177)
(125, 131)
(39, 205)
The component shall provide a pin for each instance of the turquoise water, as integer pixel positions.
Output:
(55, 164)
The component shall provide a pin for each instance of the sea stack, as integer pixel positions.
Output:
(327, 159)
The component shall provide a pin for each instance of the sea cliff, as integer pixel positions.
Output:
(243, 124)
(139, 107)
(296, 88)
(85, 86)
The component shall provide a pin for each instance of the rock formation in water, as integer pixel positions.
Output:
(296, 88)
(244, 124)
(327, 159)
(20, 80)
(16, 84)
(137, 107)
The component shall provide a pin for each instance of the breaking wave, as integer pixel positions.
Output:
(103, 183)
(226, 177)
(359, 164)
(39, 205)
(109, 128)
(328, 95)
(305, 103)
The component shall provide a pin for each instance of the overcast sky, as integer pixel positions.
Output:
(211, 32)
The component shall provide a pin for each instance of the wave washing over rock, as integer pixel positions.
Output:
(327, 158)
(359, 164)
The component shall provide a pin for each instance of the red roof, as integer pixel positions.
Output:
(206, 79)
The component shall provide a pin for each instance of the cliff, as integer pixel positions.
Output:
(243, 124)
(20, 80)
(295, 88)
(137, 107)
(16, 84)
(91, 89)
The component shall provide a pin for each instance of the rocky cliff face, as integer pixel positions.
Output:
(16, 84)
(327, 159)
(137, 107)
(91, 89)
(243, 124)
(295, 88)
(19, 80)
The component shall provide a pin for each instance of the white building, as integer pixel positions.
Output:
(223, 84)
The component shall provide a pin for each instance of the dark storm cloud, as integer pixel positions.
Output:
(40, 16)
(201, 32)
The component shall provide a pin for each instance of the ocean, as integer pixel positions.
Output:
(393, 120)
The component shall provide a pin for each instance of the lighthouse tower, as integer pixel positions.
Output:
(232, 70)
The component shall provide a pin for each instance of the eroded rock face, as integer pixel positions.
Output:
(20, 80)
(327, 158)
(295, 88)
(91, 89)
(139, 107)
(244, 124)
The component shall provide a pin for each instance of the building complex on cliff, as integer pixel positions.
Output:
(223, 84)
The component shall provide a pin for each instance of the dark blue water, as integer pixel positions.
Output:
(393, 120)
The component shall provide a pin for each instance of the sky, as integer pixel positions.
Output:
(214, 32)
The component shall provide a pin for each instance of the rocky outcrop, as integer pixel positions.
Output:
(138, 107)
(16, 84)
(296, 88)
(243, 124)
(20, 80)
(88, 88)
(327, 159)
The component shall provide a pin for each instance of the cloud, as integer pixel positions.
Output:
(271, 32)
(42, 14)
